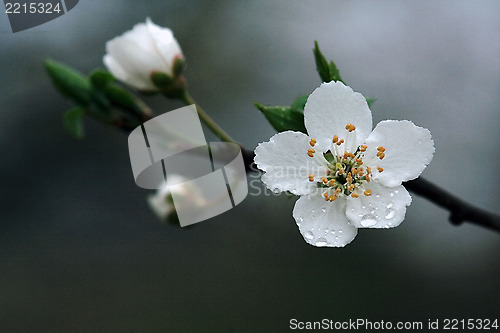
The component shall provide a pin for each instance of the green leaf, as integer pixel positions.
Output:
(73, 122)
(300, 103)
(321, 64)
(370, 100)
(122, 98)
(69, 82)
(283, 118)
(101, 78)
(334, 72)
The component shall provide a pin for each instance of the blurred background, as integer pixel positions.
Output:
(80, 250)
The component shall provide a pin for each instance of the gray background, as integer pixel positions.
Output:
(80, 251)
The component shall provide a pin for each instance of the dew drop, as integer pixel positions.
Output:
(391, 194)
(389, 206)
(390, 213)
(323, 210)
(340, 231)
(368, 220)
(327, 230)
(309, 235)
(377, 196)
(332, 232)
(321, 242)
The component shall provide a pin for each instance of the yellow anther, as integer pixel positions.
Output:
(359, 161)
(324, 180)
(340, 142)
(310, 150)
(381, 149)
(310, 154)
(311, 177)
(325, 195)
(338, 190)
(349, 178)
(350, 127)
(335, 139)
(351, 187)
(362, 148)
(332, 198)
(331, 182)
(341, 171)
(354, 171)
(380, 169)
(381, 156)
(368, 170)
(312, 142)
(354, 195)
(368, 193)
(368, 177)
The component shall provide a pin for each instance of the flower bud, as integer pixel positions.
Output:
(146, 49)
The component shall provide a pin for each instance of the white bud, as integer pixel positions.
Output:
(136, 54)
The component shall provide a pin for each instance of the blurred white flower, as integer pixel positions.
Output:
(162, 202)
(348, 176)
(135, 55)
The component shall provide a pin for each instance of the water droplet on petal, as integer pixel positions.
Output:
(309, 235)
(377, 196)
(390, 213)
(340, 231)
(368, 220)
(323, 210)
(391, 194)
(321, 242)
(390, 205)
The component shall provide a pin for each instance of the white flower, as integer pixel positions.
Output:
(162, 202)
(348, 176)
(135, 55)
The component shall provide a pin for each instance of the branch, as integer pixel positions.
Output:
(460, 210)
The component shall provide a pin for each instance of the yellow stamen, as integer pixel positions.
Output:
(325, 195)
(324, 180)
(380, 169)
(310, 154)
(338, 190)
(381, 149)
(332, 198)
(335, 139)
(351, 187)
(363, 148)
(368, 193)
(359, 161)
(354, 195)
(341, 171)
(312, 142)
(310, 150)
(340, 142)
(331, 182)
(368, 177)
(368, 170)
(381, 156)
(350, 127)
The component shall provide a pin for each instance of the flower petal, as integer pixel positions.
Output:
(408, 150)
(385, 208)
(164, 42)
(286, 163)
(323, 223)
(136, 62)
(330, 108)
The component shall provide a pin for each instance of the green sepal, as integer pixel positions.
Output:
(73, 122)
(69, 82)
(178, 66)
(100, 79)
(161, 80)
(283, 118)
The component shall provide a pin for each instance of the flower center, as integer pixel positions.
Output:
(347, 173)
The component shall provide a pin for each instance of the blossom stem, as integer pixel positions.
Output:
(214, 127)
